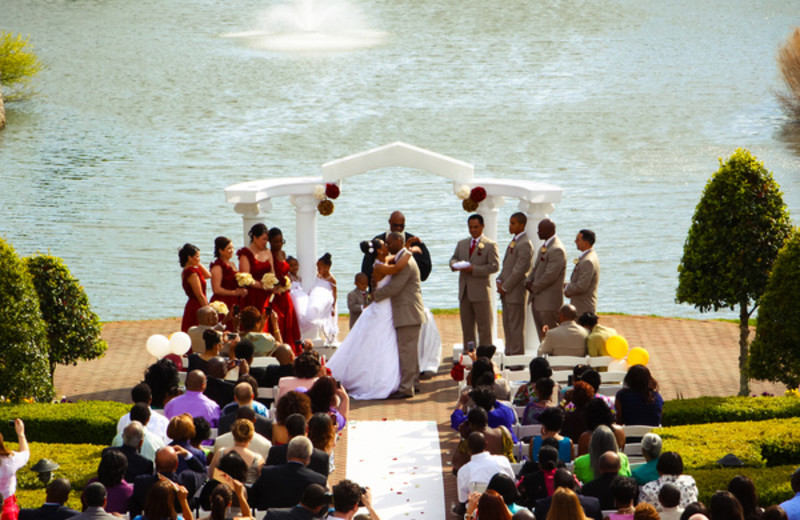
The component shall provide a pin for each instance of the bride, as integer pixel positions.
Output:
(366, 362)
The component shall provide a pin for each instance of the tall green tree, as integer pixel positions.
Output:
(73, 329)
(23, 339)
(775, 352)
(738, 228)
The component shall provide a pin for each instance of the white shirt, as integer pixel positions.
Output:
(259, 444)
(8, 471)
(152, 443)
(481, 468)
(516, 237)
(157, 425)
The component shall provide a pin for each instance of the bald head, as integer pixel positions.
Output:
(243, 393)
(58, 491)
(546, 229)
(217, 367)
(196, 381)
(567, 312)
(166, 460)
(283, 354)
(397, 222)
(207, 316)
(610, 462)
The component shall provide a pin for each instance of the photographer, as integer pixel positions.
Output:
(348, 497)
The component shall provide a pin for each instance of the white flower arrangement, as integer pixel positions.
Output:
(244, 279)
(463, 192)
(319, 192)
(268, 281)
(220, 307)
(480, 245)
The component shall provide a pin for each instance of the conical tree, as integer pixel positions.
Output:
(738, 228)
(23, 356)
(775, 352)
(73, 329)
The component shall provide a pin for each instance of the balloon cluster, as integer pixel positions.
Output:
(178, 343)
(617, 348)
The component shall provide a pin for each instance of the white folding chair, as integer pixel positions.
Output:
(264, 361)
(567, 361)
(613, 377)
(519, 360)
(599, 361)
(480, 487)
(609, 390)
(527, 430)
(637, 430)
(561, 376)
(516, 467)
(516, 376)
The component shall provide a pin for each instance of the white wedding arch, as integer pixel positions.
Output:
(252, 199)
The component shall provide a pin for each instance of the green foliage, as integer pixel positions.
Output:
(92, 422)
(73, 330)
(775, 352)
(738, 228)
(702, 410)
(757, 443)
(772, 484)
(23, 358)
(18, 64)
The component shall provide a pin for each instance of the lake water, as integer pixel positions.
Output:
(149, 109)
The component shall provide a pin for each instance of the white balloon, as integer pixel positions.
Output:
(618, 365)
(180, 343)
(158, 346)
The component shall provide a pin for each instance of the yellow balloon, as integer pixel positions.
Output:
(638, 356)
(617, 346)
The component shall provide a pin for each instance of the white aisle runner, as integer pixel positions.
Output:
(400, 461)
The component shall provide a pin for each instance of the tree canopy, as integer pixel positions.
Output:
(18, 64)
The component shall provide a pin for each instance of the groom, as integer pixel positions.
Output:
(409, 315)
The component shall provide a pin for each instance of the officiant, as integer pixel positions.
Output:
(397, 224)
(475, 259)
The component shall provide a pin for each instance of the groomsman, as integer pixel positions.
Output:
(511, 284)
(546, 281)
(582, 286)
(474, 287)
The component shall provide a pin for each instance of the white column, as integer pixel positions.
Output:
(489, 210)
(252, 215)
(536, 212)
(306, 236)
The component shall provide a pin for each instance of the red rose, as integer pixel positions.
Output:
(477, 194)
(331, 190)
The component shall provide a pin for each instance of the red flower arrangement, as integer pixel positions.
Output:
(331, 190)
(478, 194)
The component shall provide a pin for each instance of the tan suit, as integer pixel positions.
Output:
(474, 288)
(516, 267)
(582, 287)
(547, 284)
(409, 315)
(568, 339)
(356, 300)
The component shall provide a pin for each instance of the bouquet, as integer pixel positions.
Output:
(287, 284)
(244, 279)
(220, 307)
(268, 281)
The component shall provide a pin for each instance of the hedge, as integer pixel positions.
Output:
(761, 443)
(772, 484)
(91, 422)
(703, 410)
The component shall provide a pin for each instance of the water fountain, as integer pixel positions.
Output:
(311, 26)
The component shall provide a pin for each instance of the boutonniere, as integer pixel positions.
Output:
(543, 249)
(512, 245)
(576, 261)
(480, 245)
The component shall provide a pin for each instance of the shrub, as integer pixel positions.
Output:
(737, 229)
(23, 357)
(702, 410)
(73, 330)
(18, 64)
(789, 66)
(93, 422)
(772, 484)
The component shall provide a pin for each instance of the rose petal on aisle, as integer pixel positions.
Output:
(400, 461)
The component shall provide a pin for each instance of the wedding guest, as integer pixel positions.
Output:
(257, 260)
(651, 450)
(221, 501)
(292, 402)
(538, 368)
(724, 505)
(484, 396)
(544, 390)
(322, 432)
(670, 469)
(498, 439)
(160, 502)
(624, 490)
(151, 442)
(193, 401)
(259, 443)
(587, 467)
(597, 413)
(193, 278)
(162, 378)
(213, 342)
(551, 420)
(207, 318)
(745, 492)
(53, 508)
(670, 499)
(328, 396)
(223, 275)
(286, 320)
(243, 432)
(111, 472)
(294, 269)
(252, 324)
(181, 431)
(575, 419)
(157, 425)
(307, 370)
(639, 401)
(357, 298)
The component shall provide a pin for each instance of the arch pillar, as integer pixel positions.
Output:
(489, 210)
(306, 236)
(251, 215)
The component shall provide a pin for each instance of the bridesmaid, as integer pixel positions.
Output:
(193, 279)
(256, 259)
(282, 304)
(223, 276)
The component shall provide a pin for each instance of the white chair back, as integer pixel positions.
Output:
(264, 361)
(567, 361)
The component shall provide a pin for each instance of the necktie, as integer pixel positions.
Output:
(472, 246)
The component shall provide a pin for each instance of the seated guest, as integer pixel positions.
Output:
(484, 396)
(53, 508)
(598, 334)
(132, 440)
(251, 326)
(217, 388)
(544, 391)
(639, 401)
(307, 369)
(537, 479)
(498, 440)
(296, 426)
(327, 396)
(551, 421)
(505, 487)
(213, 342)
(539, 367)
(162, 378)
(773, 513)
(322, 432)
(95, 494)
(575, 419)
(481, 467)
(670, 469)
(600, 487)
(151, 443)
(283, 485)
(270, 375)
(207, 319)
(483, 372)
(193, 401)
(695, 508)
(489, 504)
(348, 497)
(244, 396)
(111, 472)
(624, 490)
(645, 511)
(259, 443)
(724, 505)
(313, 504)
(181, 431)
(564, 480)
(232, 465)
(670, 497)
(593, 377)
(202, 433)
(221, 501)
(598, 413)
(745, 492)
(243, 433)
(651, 450)
(157, 425)
(577, 375)
(160, 502)
(292, 402)
(568, 339)
(587, 467)
(792, 506)
(167, 466)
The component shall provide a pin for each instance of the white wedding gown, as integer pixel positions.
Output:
(366, 362)
(313, 310)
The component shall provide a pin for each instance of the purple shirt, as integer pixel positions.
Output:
(195, 404)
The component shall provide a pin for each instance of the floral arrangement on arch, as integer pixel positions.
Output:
(471, 199)
(326, 194)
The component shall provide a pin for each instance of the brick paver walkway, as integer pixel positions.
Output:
(689, 358)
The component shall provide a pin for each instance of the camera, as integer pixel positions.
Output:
(470, 346)
(236, 310)
(363, 491)
(230, 335)
(12, 423)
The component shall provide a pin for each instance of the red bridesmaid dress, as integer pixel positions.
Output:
(255, 297)
(192, 306)
(228, 283)
(284, 308)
